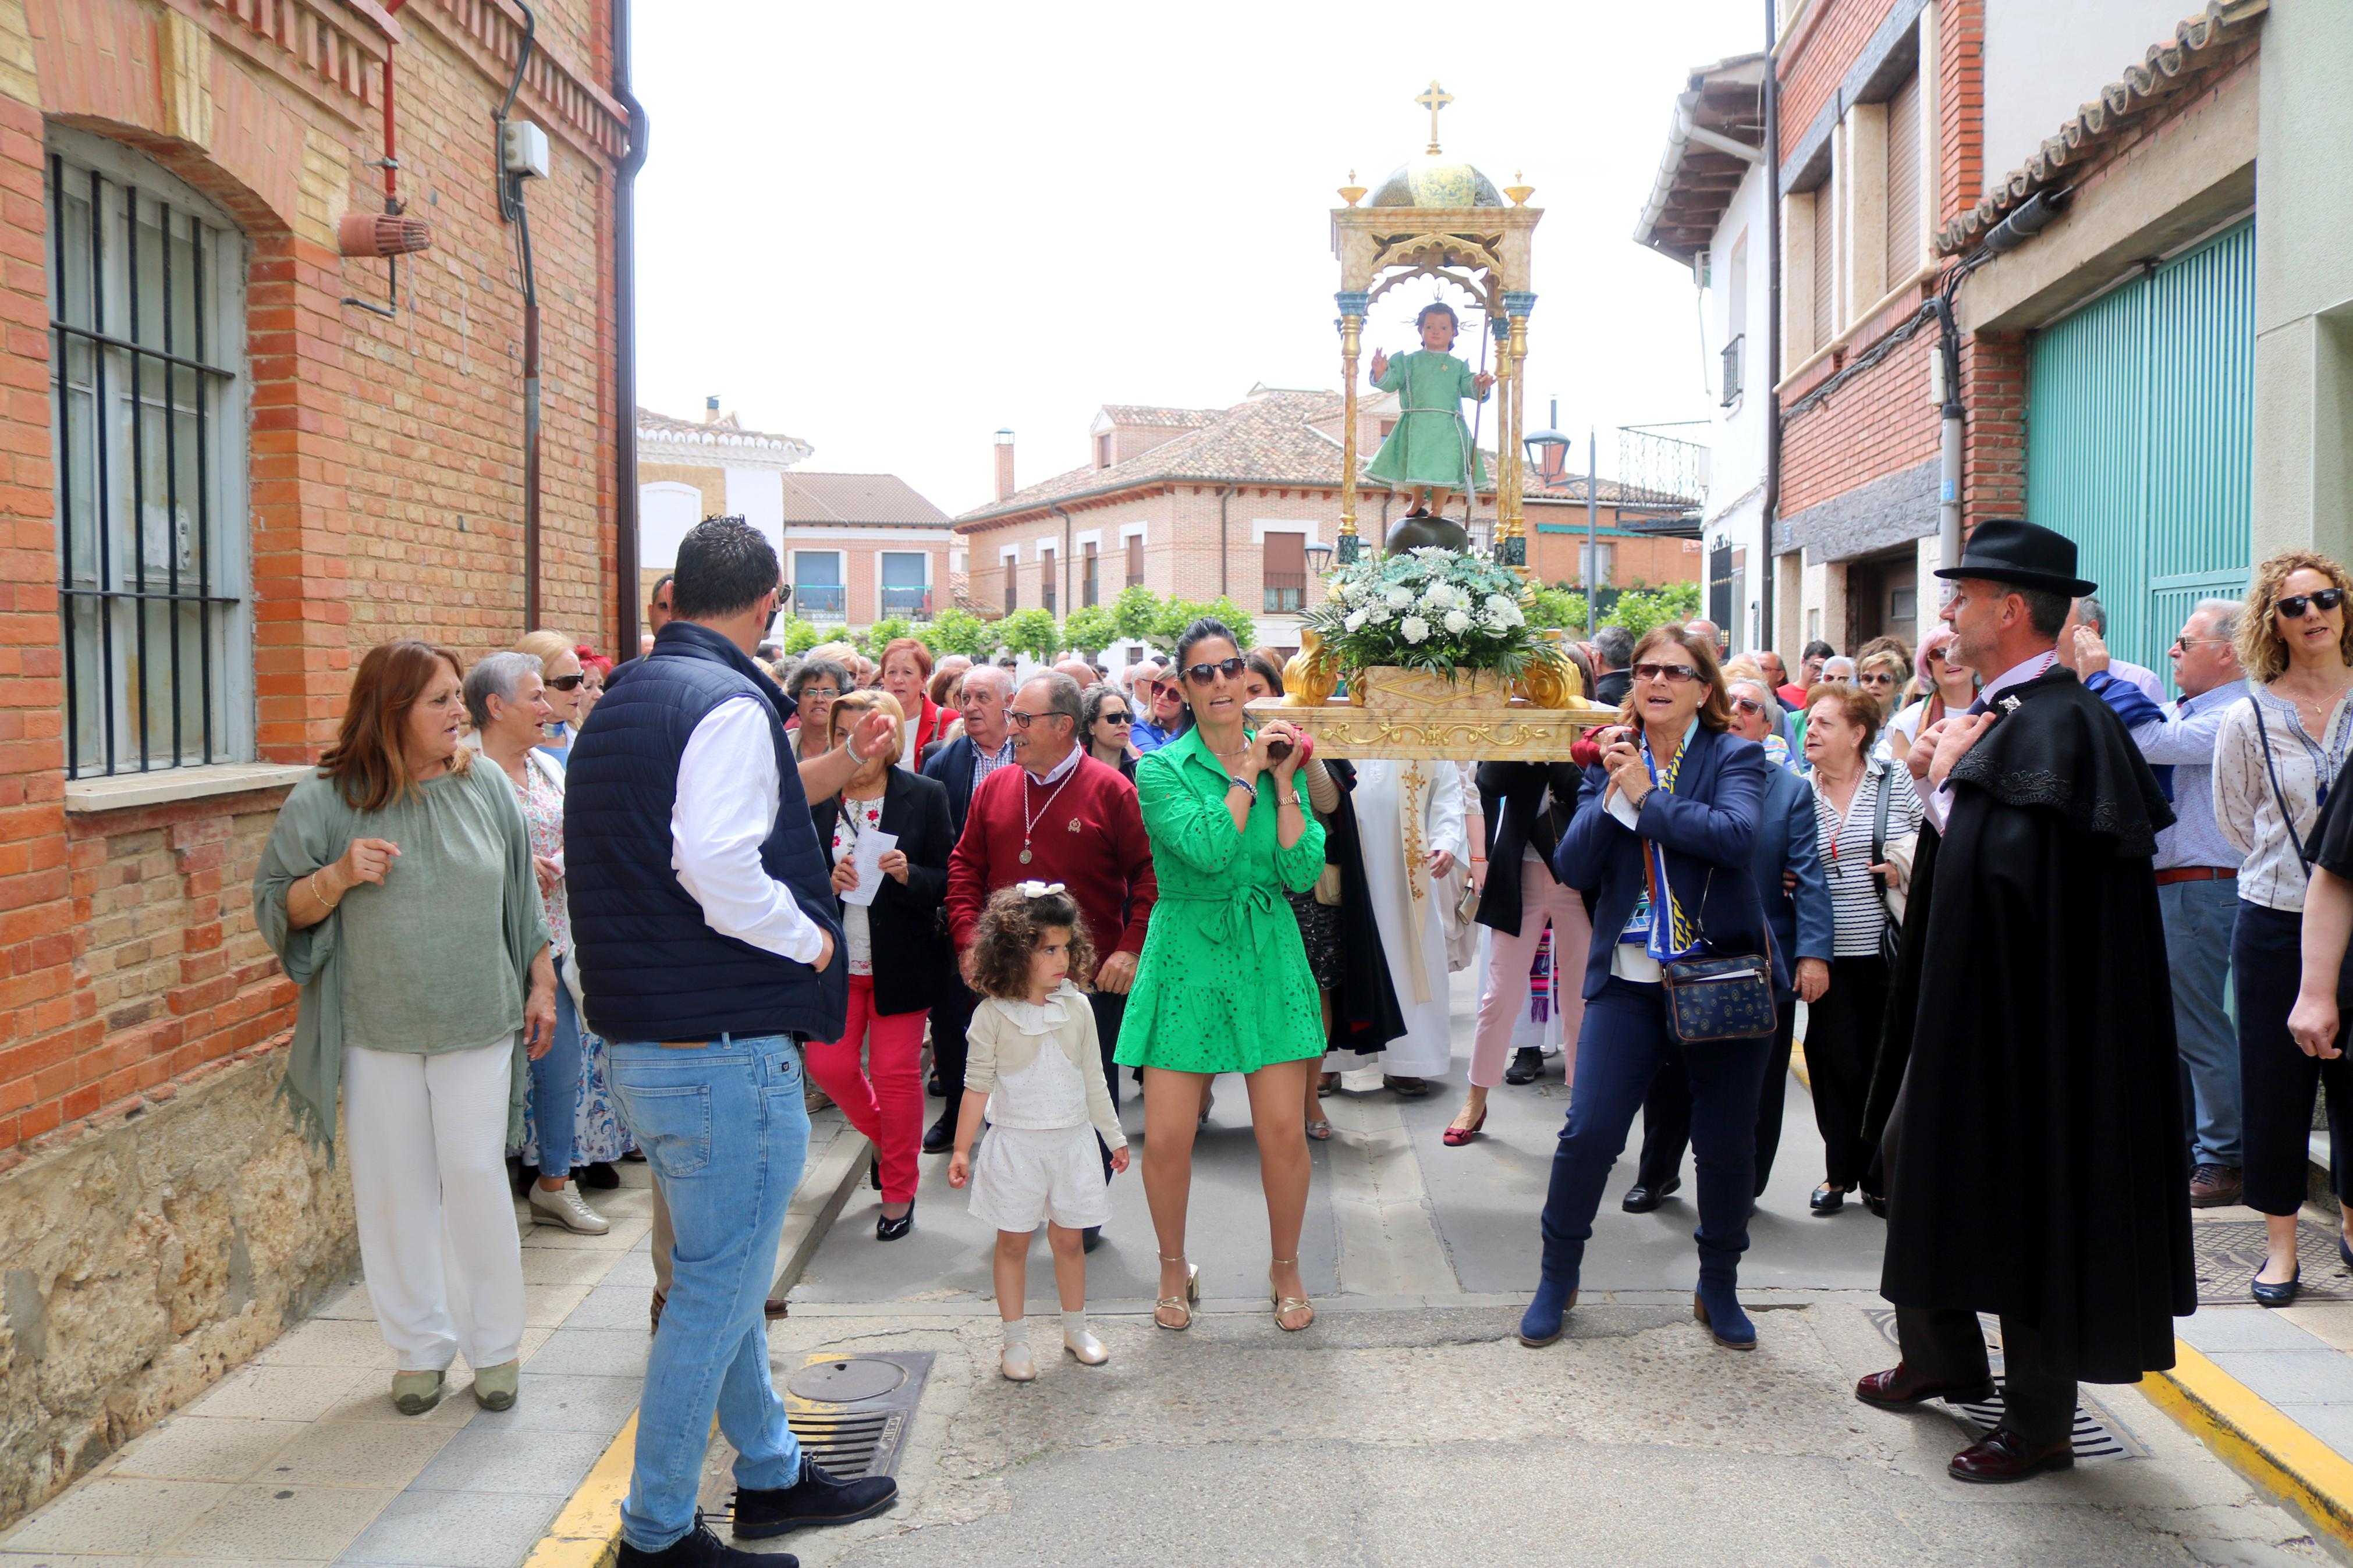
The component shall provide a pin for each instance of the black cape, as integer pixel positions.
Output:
(2037, 1167)
(1364, 1012)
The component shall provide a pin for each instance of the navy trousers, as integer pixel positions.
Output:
(1620, 1049)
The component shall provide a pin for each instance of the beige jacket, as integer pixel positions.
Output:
(997, 1041)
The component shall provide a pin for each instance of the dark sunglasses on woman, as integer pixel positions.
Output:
(566, 682)
(2293, 607)
(1882, 679)
(1114, 718)
(1674, 673)
(1202, 674)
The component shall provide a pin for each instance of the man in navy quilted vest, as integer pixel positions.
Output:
(704, 918)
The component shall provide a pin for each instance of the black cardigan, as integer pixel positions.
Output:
(912, 964)
(1508, 794)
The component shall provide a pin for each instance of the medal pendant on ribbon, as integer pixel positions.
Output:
(1024, 857)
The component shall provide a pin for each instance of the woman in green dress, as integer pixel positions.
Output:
(1429, 452)
(1224, 985)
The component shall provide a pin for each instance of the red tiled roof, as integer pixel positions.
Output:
(1167, 419)
(857, 498)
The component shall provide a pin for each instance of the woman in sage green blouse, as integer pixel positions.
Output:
(1224, 985)
(399, 891)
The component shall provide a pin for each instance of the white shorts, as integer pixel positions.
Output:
(1025, 1175)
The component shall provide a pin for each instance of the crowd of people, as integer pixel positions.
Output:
(1997, 887)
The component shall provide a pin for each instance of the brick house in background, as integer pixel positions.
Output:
(689, 469)
(186, 592)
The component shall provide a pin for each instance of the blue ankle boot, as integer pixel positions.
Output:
(1718, 1305)
(1541, 1323)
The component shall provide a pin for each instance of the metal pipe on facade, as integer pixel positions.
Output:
(1225, 589)
(1592, 527)
(625, 344)
(1767, 636)
(1949, 425)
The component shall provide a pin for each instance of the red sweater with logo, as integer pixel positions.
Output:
(1088, 837)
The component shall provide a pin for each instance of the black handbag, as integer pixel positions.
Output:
(1891, 928)
(1714, 998)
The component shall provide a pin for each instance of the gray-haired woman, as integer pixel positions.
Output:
(506, 700)
(813, 687)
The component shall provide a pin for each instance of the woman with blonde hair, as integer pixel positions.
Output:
(560, 672)
(1949, 688)
(2276, 757)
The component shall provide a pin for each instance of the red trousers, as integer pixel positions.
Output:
(884, 1098)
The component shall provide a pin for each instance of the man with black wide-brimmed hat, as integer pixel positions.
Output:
(2029, 1092)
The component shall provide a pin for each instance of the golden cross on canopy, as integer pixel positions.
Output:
(1436, 99)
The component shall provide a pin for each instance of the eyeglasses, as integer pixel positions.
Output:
(1024, 720)
(1114, 718)
(820, 693)
(1747, 705)
(1881, 678)
(2186, 643)
(2293, 608)
(1673, 674)
(566, 682)
(1202, 674)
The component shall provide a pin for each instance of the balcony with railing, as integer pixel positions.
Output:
(910, 603)
(1733, 352)
(1135, 579)
(821, 602)
(1046, 599)
(1286, 593)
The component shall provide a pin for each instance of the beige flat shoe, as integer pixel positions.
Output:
(415, 1393)
(1182, 1304)
(495, 1386)
(1084, 1348)
(1283, 1304)
(1020, 1365)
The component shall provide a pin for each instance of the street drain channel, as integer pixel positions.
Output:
(851, 1412)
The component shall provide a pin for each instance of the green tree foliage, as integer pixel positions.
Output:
(1033, 632)
(1093, 628)
(1638, 610)
(797, 636)
(1176, 615)
(885, 632)
(1136, 612)
(1559, 608)
(958, 631)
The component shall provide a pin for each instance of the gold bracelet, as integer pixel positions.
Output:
(317, 894)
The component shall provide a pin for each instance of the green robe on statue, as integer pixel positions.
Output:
(1427, 447)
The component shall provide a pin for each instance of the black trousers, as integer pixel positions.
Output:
(1667, 1109)
(1108, 1010)
(2276, 1080)
(1842, 1045)
(1949, 1347)
(951, 1017)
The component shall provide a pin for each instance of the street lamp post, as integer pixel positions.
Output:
(1541, 445)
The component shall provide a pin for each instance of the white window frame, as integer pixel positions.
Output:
(880, 610)
(842, 580)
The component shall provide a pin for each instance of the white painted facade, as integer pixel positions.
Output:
(2042, 60)
(1737, 305)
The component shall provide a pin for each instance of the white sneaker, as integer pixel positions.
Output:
(563, 1206)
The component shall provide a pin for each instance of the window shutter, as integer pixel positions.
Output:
(1825, 261)
(1903, 180)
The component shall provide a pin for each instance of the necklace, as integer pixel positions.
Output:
(1028, 817)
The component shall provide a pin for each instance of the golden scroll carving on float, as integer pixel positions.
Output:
(1411, 715)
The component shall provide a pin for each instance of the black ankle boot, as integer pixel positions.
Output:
(698, 1548)
(815, 1499)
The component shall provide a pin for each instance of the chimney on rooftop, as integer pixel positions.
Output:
(711, 409)
(1005, 486)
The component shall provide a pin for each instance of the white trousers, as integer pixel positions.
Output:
(427, 1139)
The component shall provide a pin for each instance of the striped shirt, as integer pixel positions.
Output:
(2246, 808)
(1855, 910)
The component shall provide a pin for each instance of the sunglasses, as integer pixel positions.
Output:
(1747, 705)
(2293, 608)
(1882, 679)
(1114, 718)
(2186, 643)
(1202, 674)
(566, 682)
(1674, 674)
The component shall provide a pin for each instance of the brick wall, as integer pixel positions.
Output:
(1815, 59)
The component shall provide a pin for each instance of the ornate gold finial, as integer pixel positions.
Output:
(1434, 100)
(1519, 193)
(1352, 193)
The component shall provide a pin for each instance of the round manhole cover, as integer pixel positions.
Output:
(842, 1381)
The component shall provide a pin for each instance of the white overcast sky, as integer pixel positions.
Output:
(889, 229)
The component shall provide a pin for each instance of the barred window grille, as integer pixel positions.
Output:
(146, 345)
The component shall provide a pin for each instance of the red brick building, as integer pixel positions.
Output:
(233, 459)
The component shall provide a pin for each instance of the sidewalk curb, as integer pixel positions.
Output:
(2252, 1436)
(587, 1529)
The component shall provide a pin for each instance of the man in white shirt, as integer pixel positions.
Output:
(2087, 618)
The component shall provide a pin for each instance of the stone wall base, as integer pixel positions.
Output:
(142, 1262)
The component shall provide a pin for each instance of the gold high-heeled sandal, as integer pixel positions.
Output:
(1180, 1303)
(1288, 1303)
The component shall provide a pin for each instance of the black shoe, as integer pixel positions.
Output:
(1876, 1203)
(874, 1172)
(2280, 1295)
(598, 1174)
(1091, 1239)
(932, 1087)
(1827, 1199)
(888, 1229)
(698, 1548)
(940, 1134)
(1527, 1066)
(634, 1157)
(815, 1499)
(1642, 1199)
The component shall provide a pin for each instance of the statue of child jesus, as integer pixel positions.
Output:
(1429, 452)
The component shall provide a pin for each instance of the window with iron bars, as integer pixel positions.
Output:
(1731, 370)
(146, 284)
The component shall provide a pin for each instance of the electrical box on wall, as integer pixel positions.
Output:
(522, 150)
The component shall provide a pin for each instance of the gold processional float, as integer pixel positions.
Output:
(1427, 638)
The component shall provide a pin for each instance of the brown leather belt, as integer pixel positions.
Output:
(682, 1045)
(2197, 874)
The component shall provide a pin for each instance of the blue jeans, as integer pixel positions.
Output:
(2199, 916)
(724, 1127)
(1620, 1049)
(555, 1084)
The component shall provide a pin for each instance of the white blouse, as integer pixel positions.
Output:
(2246, 808)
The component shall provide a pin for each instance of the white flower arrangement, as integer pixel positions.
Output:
(1428, 610)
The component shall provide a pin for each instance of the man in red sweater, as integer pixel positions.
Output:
(1058, 816)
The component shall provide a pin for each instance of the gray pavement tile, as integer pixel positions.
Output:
(636, 1268)
(611, 1306)
(285, 1392)
(350, 1302)
(204, 1448)
(2332, 1424)
(546, 1402)
(349, 1342)
(593, 1353)
(456, 1530)
(549, 1306)
(484, 1459)
(2293, 1377)
(266, 1520)
(556, 1266)
(133, 1518)
(2250, 1328)
(61, 1560)
(370, 1399)
(378, 1454)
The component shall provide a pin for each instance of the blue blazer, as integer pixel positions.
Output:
(1709, 829)
(1787, 839)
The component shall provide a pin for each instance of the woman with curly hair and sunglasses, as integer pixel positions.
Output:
(2277, 758)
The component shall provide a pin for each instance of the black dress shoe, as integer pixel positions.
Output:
(940, 1134)
(1527, 1066)
(1091, 1239)
(815, 1499)
(1641, 1199)
(2280, 1295)
(2003, 1457)
(1827, 1199)
(1901, 1388)
(1876, 1203)
(698, 1548)
(932, 1087)
(888, 1229)
(598, 1174)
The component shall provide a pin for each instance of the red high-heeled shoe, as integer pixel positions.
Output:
(1455, 1137)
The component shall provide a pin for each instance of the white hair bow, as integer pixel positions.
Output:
(1038, 889)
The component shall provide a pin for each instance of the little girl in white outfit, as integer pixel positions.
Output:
(1036, 1069)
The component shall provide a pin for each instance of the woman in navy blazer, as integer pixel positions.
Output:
(1676, 779)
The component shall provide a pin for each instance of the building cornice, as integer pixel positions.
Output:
(717, 447)
(566, 101)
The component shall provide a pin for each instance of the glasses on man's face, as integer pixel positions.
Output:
(1202, 674)
(2293, 607)
(2183, 644)
(1673, 674)
(1022, 719)
(1747, 705)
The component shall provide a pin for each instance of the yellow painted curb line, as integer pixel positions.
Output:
(587, 1533)
(2255, 1439)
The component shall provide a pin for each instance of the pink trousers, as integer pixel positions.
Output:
(1508, 960)
(884, 1098)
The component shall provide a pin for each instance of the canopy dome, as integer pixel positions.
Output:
(1435, 180)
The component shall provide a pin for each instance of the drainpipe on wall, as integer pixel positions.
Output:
(625, 345)
(1769, 636)
(1225, 586)
(1949, 480)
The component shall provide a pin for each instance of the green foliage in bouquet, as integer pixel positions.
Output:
(1430, 609)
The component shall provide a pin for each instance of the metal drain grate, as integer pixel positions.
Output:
(2229, 1251)
(851, 1412)
(2097, 1433)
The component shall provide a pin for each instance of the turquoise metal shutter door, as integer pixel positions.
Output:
(2139, 434)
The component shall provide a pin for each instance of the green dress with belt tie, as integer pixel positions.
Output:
(1223, 985)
